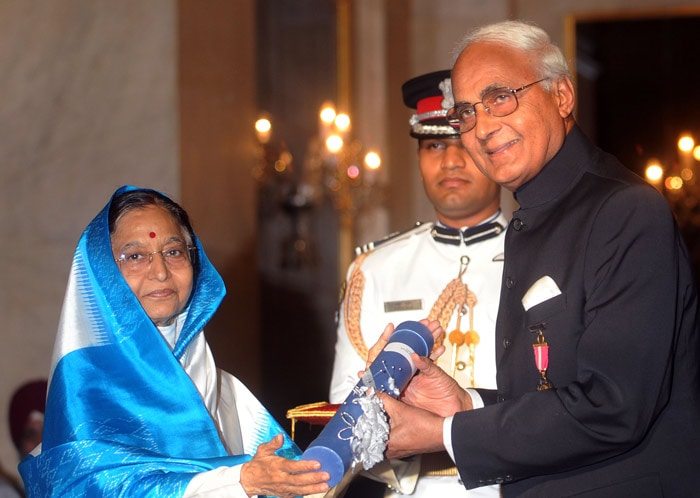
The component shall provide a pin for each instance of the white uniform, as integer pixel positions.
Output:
(412, 276)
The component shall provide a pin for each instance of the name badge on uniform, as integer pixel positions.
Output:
(407, 305)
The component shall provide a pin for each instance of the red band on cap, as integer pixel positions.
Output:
(429, 104)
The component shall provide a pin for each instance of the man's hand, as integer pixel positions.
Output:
(416, 419)
(434, 327)
(412, 430)
(433, 390)
(378, 346)
(268, 474)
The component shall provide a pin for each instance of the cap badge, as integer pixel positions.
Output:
(448, 101)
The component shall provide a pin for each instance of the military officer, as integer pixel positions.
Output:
(449, 270)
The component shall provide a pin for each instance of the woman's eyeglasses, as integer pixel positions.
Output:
(137, 262)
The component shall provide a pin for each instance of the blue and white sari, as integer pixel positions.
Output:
(123, 417)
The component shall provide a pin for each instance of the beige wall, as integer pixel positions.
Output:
(88, 104)
(90, 101)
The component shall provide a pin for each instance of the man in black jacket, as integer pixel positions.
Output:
(598, 356)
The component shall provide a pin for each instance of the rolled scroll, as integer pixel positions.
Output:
(358, 431)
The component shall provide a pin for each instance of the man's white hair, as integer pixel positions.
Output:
(522, 36)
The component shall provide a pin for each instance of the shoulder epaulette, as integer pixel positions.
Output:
(418, 227)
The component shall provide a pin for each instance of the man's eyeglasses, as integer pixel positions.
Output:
(498, 102)
(138, 262)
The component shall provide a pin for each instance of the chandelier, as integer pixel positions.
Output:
(336, 170)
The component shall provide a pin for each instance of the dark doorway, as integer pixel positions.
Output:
(638, 81)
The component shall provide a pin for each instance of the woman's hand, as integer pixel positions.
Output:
(268, 474)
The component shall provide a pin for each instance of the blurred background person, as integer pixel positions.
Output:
(26, 415)
(26, 423)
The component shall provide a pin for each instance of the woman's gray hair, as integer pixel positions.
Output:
(523, 36)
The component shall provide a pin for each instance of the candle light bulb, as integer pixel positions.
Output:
(686, 143)
(654, 172)
(334, 143)
(372, 160)
(327, 113)
(342, 122)
(263, 129)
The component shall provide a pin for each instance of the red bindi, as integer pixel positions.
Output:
(152, 235)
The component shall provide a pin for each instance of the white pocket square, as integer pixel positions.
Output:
(545, 288)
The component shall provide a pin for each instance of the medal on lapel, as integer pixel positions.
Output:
(541, 350)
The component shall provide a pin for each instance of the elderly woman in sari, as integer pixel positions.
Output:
(136, 405)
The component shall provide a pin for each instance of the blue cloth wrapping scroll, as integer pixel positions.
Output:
(390, 372)
(123, 418)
